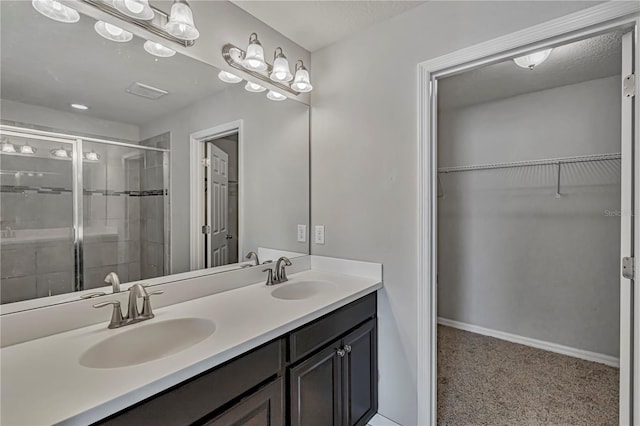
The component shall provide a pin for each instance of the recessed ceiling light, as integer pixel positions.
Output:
(79, 106)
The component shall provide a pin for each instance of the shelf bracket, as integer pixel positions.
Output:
(558, 195)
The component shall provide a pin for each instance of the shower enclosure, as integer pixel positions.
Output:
(74, 208)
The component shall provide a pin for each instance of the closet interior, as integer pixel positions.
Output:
(529, 195)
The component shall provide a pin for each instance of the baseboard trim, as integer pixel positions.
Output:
(540, 344)
(379, 420)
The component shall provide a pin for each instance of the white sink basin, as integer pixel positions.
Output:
(147, 342)
(302, 289)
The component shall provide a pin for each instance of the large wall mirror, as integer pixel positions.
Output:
(116, 160)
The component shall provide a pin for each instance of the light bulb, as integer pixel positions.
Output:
(112, 32)
(301, 81)
(138, 9)
(60, 152)
(27, 149)
(91, 156)
(253, 87)
(156, 49)
(57, 11)
(8, 147)
(254, 58)
(275, 96)
(181, 23)
(280, 71)
(533, 59)
(227, 77)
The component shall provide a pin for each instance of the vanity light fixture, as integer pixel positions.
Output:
(112, 32)
(254, 57)
(60, 152)
(138, 9)
(27, 149)
(91, 156)
(80, 107)
(253, 87)
(275, 96)
(301, 82)
(533, 59)
(156, 49)
(181, 23)
(280, 71)
(57, 11)
(228, 77)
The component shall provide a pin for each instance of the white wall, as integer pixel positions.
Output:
(364, 150)
(67, 121)
(512, 257)
(275, 167)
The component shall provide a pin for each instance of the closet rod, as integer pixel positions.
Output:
(549, 161)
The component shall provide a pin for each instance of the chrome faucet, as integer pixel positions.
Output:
(253, 254)
(281, 273)
(112, 278)
(134, 315)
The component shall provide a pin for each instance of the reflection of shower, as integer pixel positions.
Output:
(72, 222)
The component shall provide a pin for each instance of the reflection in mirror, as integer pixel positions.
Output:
(117, 160)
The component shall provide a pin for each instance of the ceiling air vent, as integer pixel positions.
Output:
(146, 91)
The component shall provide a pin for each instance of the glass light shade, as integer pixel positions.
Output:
(254, 58)
(112, 32)
(301, 82)
(60, 152)
(181, 23)
(57, 11)
(280, 72)
(156, 49)
(8, 147)
(253, 87)
(275, 96)
(138, 9)
(27, 149)
(533, 59)
(91, 156)
(227, 77)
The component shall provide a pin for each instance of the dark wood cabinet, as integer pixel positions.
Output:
(360, 374)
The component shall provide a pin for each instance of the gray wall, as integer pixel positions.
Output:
(275, 167)
(364, 149)
(514, 258)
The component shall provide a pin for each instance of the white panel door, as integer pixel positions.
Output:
(217, 205)
(628, 415)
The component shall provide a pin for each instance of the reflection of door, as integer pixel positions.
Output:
(217, 201)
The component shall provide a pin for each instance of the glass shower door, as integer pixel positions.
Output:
(36, 216)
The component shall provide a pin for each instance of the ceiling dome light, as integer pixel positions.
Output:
(156, 49)
(60, 152)
(275, 96)
(138, 9)
(27, 149)
(181, 23)
(57, 11)
(280, 71)
(227, 77)
(80, 107)
(253, 87)
(91, 156)
(254, 58)
(112, 32)
(301, 82)
(8, 147)
(533, 59)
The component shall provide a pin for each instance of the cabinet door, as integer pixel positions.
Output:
(316, 389)
(263, 408)
(360, 374)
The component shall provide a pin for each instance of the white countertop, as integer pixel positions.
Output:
(44, 383)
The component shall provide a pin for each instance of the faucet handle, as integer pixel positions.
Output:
(92, 295)
(117, 320)
(147, 312)
(269, 275)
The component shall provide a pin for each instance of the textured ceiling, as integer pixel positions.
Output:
(572, 63)
(51, 64)
(315, 24)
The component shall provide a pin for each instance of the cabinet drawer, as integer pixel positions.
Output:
(192, 400)
(324, 330)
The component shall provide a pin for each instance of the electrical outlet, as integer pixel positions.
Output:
(319, 234)
(302, 233)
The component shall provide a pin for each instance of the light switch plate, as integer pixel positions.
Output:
(302, 233)
(319, 234)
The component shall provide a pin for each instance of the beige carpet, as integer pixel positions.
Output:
(487, 381)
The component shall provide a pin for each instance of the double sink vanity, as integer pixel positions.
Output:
(302, 352)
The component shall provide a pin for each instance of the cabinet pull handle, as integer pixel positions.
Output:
(347, 348)
(341, 353)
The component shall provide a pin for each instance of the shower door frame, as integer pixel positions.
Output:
(78, 189)
(587, 23)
